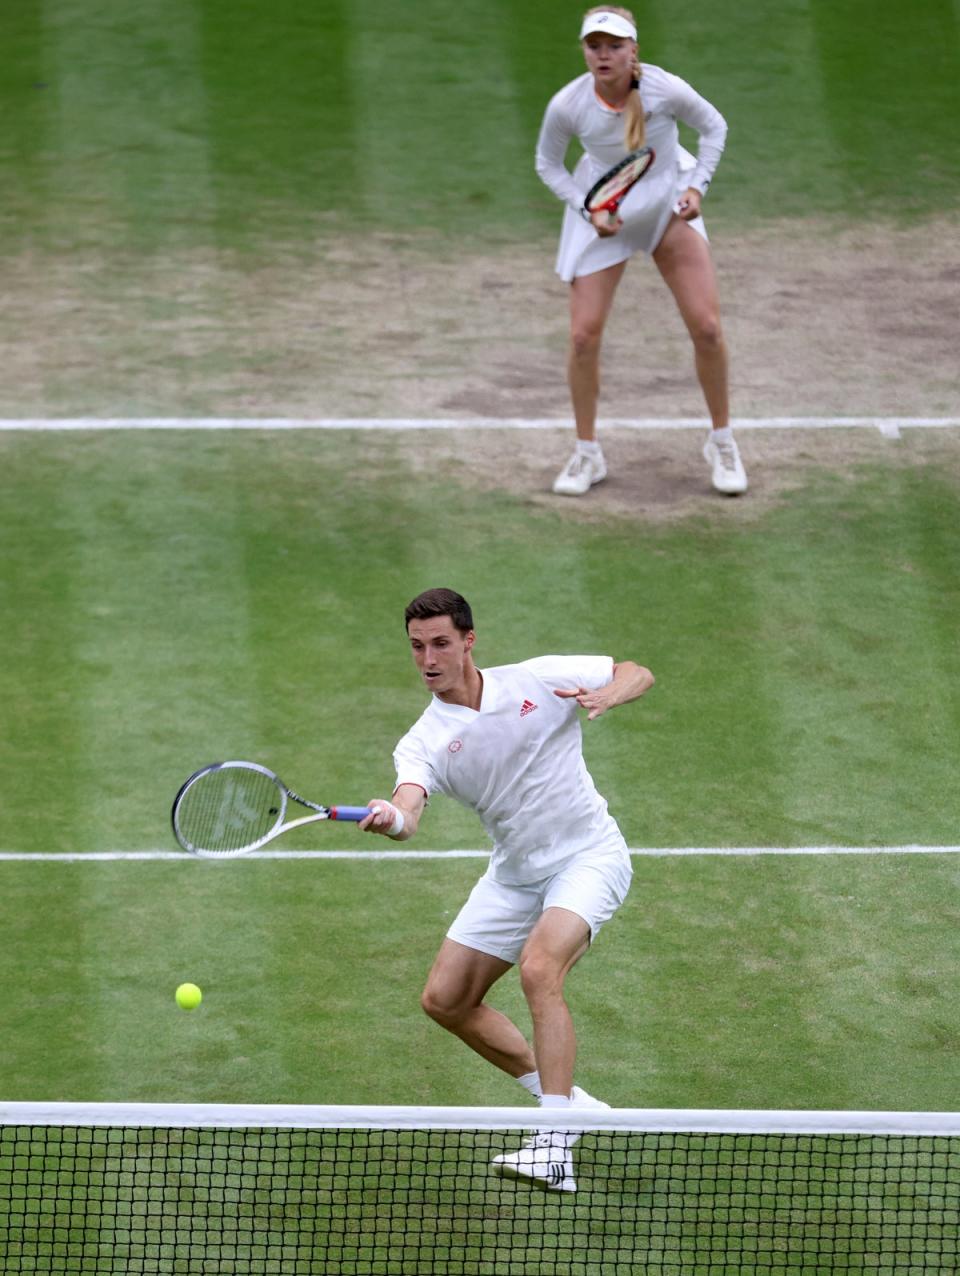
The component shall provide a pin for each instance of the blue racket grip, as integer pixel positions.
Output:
(349, 812)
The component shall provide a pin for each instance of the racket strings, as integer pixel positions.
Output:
(229, 810)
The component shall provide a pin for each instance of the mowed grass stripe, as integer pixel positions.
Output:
(46, 1014)
(128, 182)
(156, 596)
(436, 113)
(784, 982)
(285, 151)
(696, 629)
(129, 146)
(859, 661)
(25, 100)
(805, 88)
(863, 51)
(845, 983)
(765, 170)
(39, 745)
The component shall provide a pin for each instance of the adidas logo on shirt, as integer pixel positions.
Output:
(527, 707)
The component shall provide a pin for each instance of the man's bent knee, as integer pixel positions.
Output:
(433, 1006)
(441, 1009)
(540, 978)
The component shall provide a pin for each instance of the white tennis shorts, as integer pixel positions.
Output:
(498, 918)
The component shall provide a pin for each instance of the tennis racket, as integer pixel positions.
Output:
(609, 193)
(229, 808)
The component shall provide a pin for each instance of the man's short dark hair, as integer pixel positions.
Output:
(440, 602)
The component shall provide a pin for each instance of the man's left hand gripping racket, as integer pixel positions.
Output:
(229, 808)
(609, 193)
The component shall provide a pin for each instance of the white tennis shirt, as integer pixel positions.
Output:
(577, 112)
(518, 762)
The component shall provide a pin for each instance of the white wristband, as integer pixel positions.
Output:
(397, 825)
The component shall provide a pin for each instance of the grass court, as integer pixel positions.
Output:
(177, 178)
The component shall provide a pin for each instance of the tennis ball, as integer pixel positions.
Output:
(188, 996)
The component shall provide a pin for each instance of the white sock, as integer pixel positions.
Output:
(588, 447)
(554, 1100)
(531, 1081)
(722, 436)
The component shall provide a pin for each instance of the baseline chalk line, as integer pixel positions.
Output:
(889, 426)
(655, 852)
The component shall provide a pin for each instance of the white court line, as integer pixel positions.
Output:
(655, 852)
(886, 425)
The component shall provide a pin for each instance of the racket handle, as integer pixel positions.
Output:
(349, 812)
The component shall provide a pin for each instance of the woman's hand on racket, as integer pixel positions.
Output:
(605, 224)
(689, 205)
(602, 201)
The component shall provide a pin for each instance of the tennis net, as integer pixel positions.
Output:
(347, 1191)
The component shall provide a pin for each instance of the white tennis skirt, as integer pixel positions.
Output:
(645, 213)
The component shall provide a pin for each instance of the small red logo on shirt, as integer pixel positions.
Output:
(455, 746)
(527, 707)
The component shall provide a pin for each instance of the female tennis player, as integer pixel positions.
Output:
(507, 743)
(617, 106)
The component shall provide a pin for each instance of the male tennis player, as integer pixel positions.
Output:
(506, 742)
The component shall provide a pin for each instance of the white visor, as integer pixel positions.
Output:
(610, 23)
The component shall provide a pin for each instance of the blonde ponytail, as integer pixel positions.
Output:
(634, 125)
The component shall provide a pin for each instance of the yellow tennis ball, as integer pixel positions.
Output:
(188, 996)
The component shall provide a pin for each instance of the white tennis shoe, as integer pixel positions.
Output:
(579, 474)
(727, 472)
(547, 1158)
(580, 1099)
